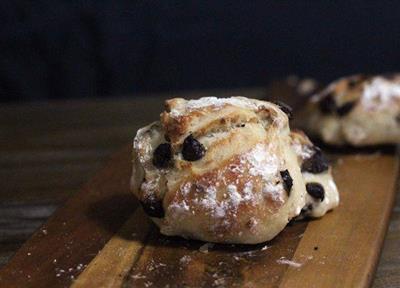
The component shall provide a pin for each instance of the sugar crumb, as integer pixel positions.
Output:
(185, 259)
(284, 261)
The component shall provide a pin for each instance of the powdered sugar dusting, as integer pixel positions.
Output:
(265, 164)
(303, 151)
(216, 103)
(235, 197)
(262, 167)
(380, 93)
(262, 162)
(274, 191)
(143, 146)
(147, 138)
(180, 208)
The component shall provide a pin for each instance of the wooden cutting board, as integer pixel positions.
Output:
(101, 238)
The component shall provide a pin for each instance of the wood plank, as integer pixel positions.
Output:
(168, 261)
(387, 274)
(347, 250)
(348, 240)
(59, 134)
(113, 262)
(46, 141)
(77, 232)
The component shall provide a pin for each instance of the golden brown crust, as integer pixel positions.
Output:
(180, 120)
(235, 192)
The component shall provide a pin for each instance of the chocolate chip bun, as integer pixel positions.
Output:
(322, 193)
(357, 110)
(220, 170)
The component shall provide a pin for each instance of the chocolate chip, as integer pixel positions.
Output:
(345, 108)
(287, 181)
(317, 163)
(162, 155)
(153, 206)
(327, 104)
(285, 108)
(315, 248)
(192, 149)
(316, 190)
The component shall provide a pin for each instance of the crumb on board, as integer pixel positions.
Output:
(219, 282)
(185, 259)
(284, 261)
(138, 276)
(68, 271)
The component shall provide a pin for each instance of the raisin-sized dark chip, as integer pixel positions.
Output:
(285, 108)
(162, 155)
(153, 206)
(317, 163)
(345, 108)
(287, 181)
(327, 104)
(315, 190)
(192, 149)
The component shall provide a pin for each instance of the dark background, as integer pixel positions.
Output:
(73, 49)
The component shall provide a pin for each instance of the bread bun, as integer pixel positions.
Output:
(219, 169)
(357, 110)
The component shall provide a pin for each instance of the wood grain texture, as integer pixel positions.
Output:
(113, 262)
(118, 246)
(48, 150)
(75, 233)
(47, 141)
(349, 239)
